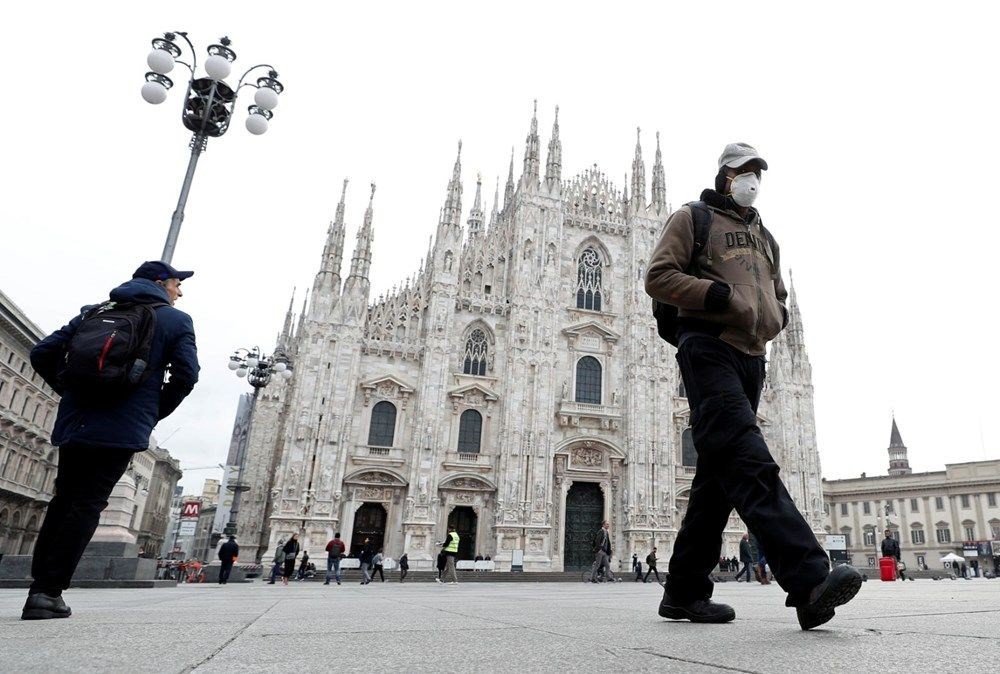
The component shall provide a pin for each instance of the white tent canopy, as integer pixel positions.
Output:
(952, 557)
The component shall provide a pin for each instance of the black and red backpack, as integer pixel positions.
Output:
(108, 355)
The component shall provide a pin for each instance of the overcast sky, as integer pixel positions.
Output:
(878, 120)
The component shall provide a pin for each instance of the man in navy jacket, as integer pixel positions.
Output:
(97, 440)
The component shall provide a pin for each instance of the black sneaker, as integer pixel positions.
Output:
(698, 611)
(42, 607)
(838, 589)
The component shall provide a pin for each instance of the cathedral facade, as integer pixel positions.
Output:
(514, 387)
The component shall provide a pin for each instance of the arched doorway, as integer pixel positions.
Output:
(369, 522)
(464, 519)
(584, 515)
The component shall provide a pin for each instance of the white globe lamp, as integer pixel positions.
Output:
(266, 97)
(160, 61)
(154, 92)
(218, 67)
(256, 124)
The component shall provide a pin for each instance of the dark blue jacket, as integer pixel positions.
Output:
(129, 423)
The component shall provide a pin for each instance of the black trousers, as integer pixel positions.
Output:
(84, 480)
(745, 570)
(735, 470)
(227, 568)
(652, 570)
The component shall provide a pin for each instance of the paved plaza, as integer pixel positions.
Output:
(510, 627)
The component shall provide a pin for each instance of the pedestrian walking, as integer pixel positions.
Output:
(651, 567)
(334, 552)
(278, 563)
(228, 552)
(291, 550)
(404, 567)
(110, 365)
(718, 267)
(890, 548)
(450, 551)
(602, 553)
(746, 558)
(365, 555)
(377, 565)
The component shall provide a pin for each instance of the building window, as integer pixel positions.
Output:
(991, 500)
(843, 509)
(689, 455)
(846, 533)
(938, 503)
(889, 507)
(917, 536)
(470, 432)
(588, 381)
(869, 537)
(682, 392)
(383, 425)
(871, 561)
(970, 532)
(476, 349)
(943, 535)
(866, 506)
(921, 561)
(995, 528)
(588, 286)
(914, 505)
(965, 500)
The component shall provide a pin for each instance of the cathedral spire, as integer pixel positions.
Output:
(362, 261)
(285, 338)
(659, 182)
(796, 336)
(476, 214)
(302, 317)
(451, 214)
(496, 203)
(899, 464)
(553, 164)
(638, 175)
(508, 193)
(326, 285)
(529, 175)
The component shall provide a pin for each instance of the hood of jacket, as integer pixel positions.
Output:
(140, 291)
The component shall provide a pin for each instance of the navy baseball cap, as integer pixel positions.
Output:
(160, 271)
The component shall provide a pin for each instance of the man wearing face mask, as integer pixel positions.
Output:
(730, 302)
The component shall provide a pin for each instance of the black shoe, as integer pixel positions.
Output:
(42, 607)
(698, 611)
(838, 589)
(326, 583)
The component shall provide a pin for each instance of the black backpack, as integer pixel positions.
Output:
(701, 215)
(109, 352)
(666, 314)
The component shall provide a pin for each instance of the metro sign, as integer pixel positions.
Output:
(191, 509)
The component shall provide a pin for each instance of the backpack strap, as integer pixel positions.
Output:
(701, 215)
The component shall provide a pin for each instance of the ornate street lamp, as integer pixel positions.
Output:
(258, 368)
(208, 104)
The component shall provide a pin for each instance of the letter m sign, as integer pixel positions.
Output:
(191, 509)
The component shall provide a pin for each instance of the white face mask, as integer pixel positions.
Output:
(744, 189)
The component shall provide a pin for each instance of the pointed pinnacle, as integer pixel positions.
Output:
(343, 190)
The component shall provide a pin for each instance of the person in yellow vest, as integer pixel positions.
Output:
(450, 551)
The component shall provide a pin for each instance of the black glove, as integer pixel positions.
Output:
(717, 298)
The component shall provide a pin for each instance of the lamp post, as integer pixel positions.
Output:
(208, 104)
(258, 368)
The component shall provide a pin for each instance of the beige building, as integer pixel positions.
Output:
(955, 510)
(210, 492)
(155, 519)
(27, 412)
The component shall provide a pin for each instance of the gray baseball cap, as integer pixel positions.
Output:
(737, 154)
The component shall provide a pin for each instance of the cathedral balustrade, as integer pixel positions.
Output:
(468, 461)
(572, 413)
(483, 304)
(384, 456)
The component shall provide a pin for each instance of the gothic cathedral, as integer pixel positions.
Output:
(514, 387)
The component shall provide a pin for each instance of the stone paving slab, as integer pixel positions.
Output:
(522, 627)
